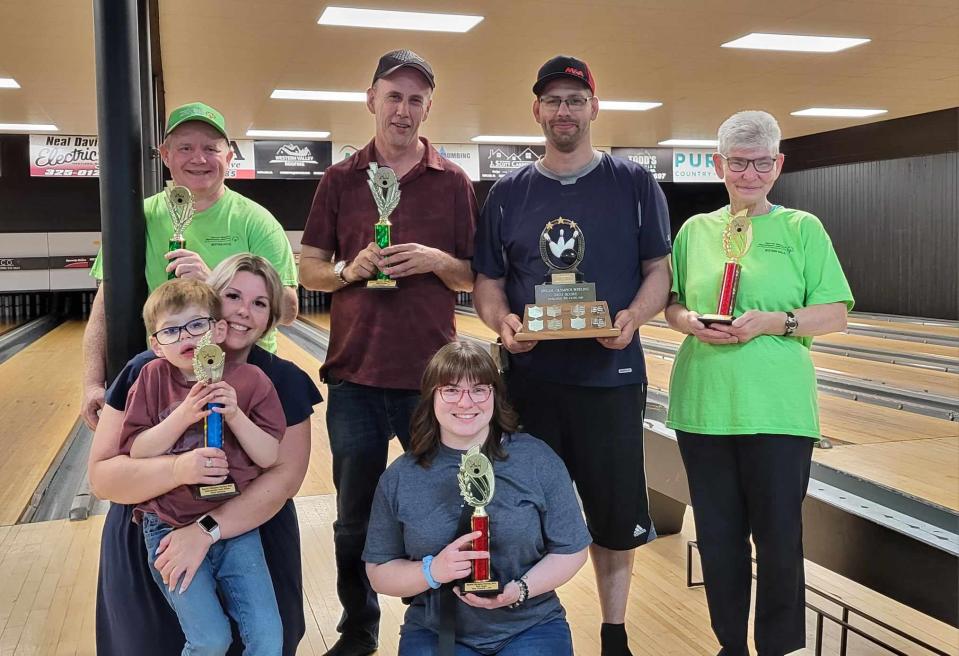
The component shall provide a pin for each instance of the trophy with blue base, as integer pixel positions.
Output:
(208, 362)
(565, 307)
(386, 195)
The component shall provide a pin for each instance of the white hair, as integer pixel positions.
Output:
(749, 129)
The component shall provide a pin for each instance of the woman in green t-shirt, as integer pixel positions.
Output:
(743, 388)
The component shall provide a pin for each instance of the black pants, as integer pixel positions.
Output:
(361, 421)
(743, 485)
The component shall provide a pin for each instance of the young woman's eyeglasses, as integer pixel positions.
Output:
(171, 334)
(454, 394)
(574, 103)
(740, 164)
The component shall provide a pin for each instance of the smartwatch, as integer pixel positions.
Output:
(338, 272)
(209, 526)
(792, 323)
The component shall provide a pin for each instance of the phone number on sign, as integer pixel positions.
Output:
(89, 173)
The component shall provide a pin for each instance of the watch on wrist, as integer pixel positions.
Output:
(209, 526)
(338, 271)
(792, 323)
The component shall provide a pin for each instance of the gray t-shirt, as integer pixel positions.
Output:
(533, 513)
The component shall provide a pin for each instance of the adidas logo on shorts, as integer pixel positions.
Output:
(639, 530)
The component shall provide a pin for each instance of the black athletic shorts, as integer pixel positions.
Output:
(598, 432)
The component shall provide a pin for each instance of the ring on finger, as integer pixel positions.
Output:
(209, 462)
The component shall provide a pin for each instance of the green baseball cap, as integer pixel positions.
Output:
(196, 112)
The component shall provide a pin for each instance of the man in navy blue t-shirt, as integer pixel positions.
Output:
(585, 397)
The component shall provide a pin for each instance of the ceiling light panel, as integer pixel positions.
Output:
(794, 42)
(28, 127)
(690, 143)
(840, 112)
(398, 20)
(8, 83)
(629, 105)
(333, 96)
(508, 139)
(288, 134)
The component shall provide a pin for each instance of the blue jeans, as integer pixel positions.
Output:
(361, 421)
(548, 639)
(235, 568)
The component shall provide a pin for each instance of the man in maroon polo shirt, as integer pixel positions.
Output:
(381, 340)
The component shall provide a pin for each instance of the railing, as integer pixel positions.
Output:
(845, 627)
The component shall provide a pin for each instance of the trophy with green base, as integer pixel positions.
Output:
(208, 361)
(477, 484)
(179, 203)
(565, 307)
(737, 238)
(386, 194)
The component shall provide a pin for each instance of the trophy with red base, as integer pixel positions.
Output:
(737, 238)
(477, 484)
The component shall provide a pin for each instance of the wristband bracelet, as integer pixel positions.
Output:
(523, 592)
(430, 581)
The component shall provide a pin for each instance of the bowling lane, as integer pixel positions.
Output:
(39, 404)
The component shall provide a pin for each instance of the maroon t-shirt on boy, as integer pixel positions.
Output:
(159, 389)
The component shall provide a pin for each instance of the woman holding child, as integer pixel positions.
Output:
(132, 614)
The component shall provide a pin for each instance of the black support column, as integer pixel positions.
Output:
(120, 128)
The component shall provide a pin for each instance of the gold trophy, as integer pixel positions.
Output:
(566, 307)
(179, 203)
(477, 483)
(737, 238)
(386, 195)
(208, 361)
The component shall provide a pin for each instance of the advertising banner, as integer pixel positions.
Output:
(658, 161)
(466, 156)
(694, 165)
(292, 159)
(64, 156)
(242, 168)
(495, 161)
(343, 151)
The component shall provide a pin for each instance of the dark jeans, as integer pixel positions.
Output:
(361, 422)
(549, 639)
(743, 485)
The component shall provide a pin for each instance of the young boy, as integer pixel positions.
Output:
(164, 414)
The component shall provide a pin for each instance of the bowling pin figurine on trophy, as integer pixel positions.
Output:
(477, 484)
(737, 238)
(208, 361)
(179, 203)
(569, 304)
(386, 195)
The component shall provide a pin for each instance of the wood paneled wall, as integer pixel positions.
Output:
(894, 224)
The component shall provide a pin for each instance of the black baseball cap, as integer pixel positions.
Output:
(397, 59)
(564, 66)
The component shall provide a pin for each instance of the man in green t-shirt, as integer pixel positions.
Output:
(197, 151)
